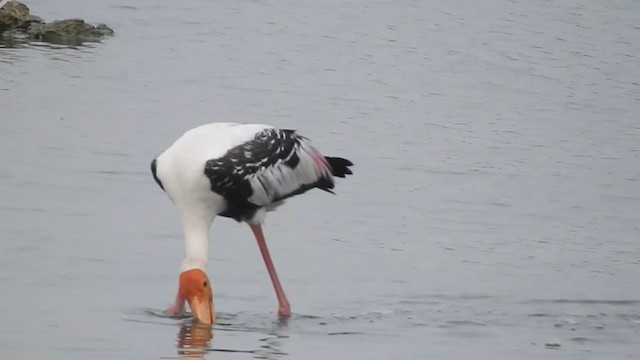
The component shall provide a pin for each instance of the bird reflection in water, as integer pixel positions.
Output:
(194, 340)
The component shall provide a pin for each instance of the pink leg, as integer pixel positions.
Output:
(177, 308)
(284, 309)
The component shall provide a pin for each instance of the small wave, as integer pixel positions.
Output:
(586, 301)
(344, 333)
(580, 339)
(126, 7)
(459, 323)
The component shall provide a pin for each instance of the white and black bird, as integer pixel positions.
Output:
(239, 171)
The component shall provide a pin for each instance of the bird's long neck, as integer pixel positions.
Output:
(196, 222)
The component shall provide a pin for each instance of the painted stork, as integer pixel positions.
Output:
(240, 171)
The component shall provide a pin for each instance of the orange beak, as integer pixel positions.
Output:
(196, 289)
(202, 307)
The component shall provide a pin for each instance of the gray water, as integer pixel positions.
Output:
(494, 211)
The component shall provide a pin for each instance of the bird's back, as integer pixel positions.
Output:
(249, 166)
(180, 168)
(210, 141)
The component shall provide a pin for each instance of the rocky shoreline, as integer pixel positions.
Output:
(16, 20)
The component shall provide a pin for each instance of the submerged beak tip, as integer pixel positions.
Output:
(203, 311)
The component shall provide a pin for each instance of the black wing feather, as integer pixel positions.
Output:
(229, 174)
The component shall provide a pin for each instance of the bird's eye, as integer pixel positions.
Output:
(205, 284)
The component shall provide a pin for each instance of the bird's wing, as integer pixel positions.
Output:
(274, 165)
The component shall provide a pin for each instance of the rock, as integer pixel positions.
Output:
(31, 26)
(12, 15)
(31, 19)
(16, 21)
(104, 29)
(7, 22)
(35, 18)
(33, 31)
(16, 9)
(73, 31)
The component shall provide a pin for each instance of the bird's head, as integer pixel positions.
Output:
(196, 289)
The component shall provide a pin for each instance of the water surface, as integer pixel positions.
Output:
(494, 212)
